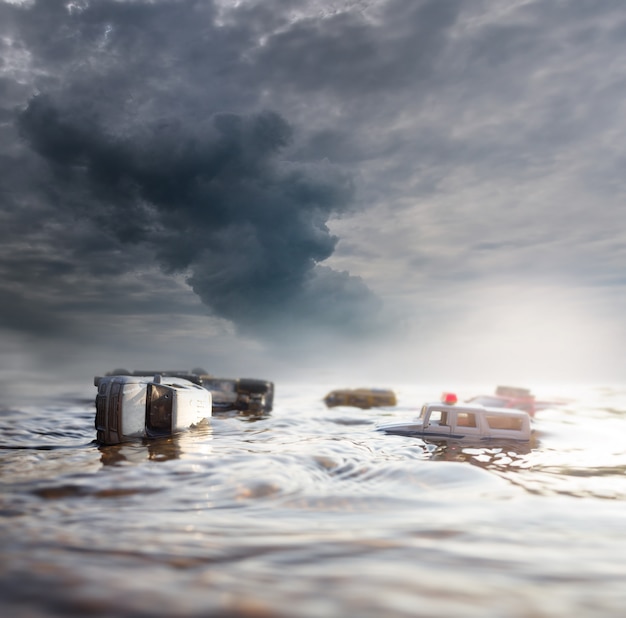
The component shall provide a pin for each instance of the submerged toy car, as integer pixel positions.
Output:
(361, 398)
(143, 407)
(244, 394)
(508, 397)
(448, 421)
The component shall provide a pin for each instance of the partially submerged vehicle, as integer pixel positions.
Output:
(444, 420)
(508, 397)
(243, 394)
(130, 407)
(361, 398)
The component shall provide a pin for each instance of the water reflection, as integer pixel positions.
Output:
(166, 448)
(314, 510)
(172, 447)
(161, 449)
(512, 456)
(244, 415)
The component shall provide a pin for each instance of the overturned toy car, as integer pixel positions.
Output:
(445, 420)
(361, 398)
(243, 394)
(147, 407)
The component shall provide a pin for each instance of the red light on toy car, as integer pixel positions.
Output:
(449, 398)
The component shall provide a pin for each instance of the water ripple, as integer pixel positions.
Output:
(311, 508)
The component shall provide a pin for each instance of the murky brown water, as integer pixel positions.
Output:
(311, 512)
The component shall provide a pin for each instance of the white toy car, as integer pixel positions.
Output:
(447, 421)
(147, 407)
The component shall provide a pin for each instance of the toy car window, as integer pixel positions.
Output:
(504, 422)
(159, 409)
(114, 405)
(224, 385)
(438, 417)
(465, 419)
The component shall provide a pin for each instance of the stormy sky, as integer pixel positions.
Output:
(367, 191)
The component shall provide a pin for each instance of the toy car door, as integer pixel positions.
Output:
(465, 424)
(436, 423)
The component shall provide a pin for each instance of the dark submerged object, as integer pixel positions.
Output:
(361, 398)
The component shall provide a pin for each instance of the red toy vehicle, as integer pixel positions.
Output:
(508, 397)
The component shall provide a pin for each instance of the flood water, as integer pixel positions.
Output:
(311, 512)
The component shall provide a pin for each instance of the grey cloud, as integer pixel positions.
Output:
(23, 315)
(346, 54)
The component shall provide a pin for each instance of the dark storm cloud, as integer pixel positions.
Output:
(144, 165)
(218, 202)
